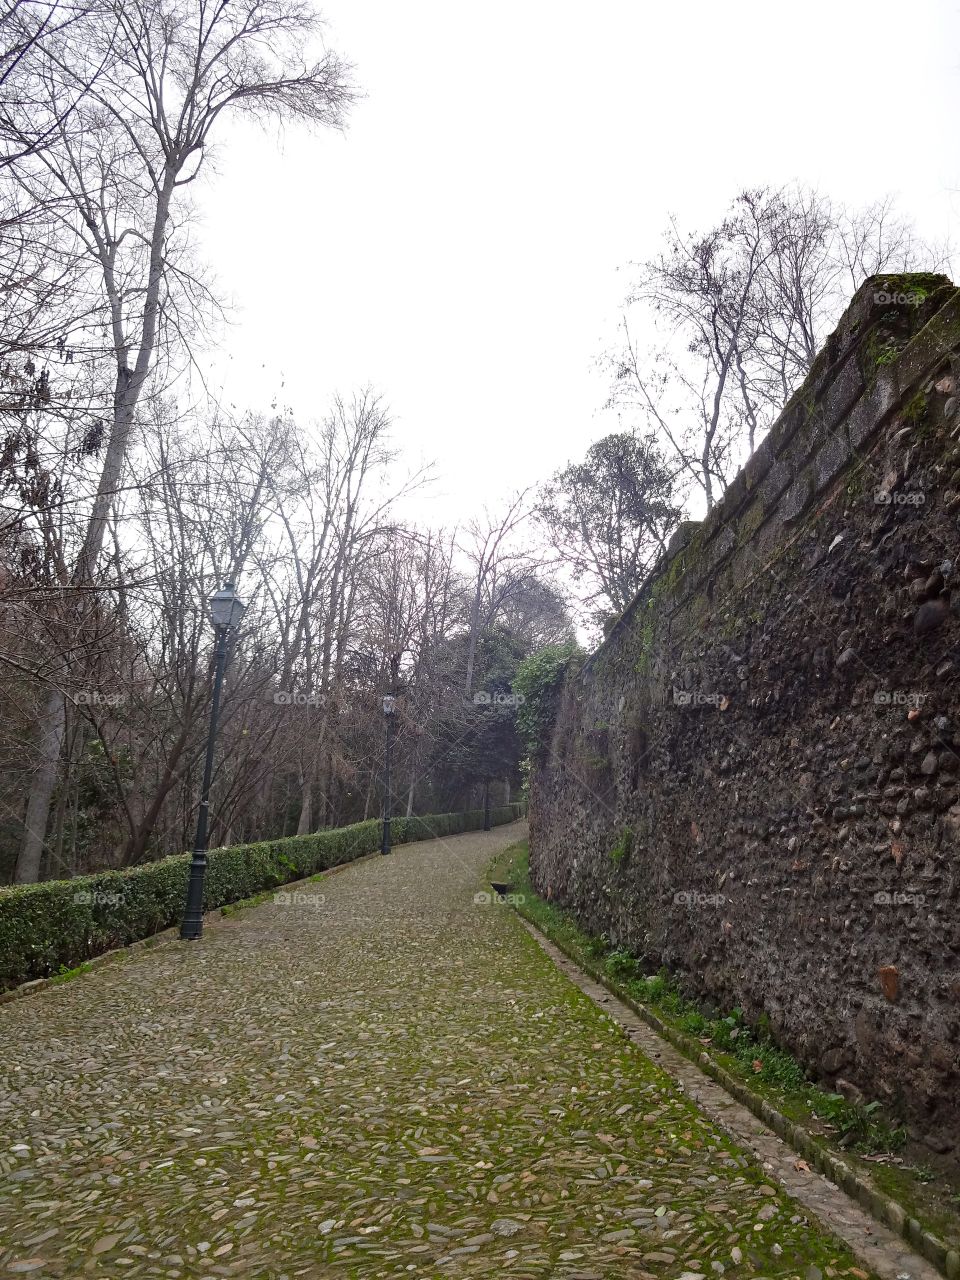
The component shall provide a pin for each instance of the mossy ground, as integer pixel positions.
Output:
(395, 1082)
(772, 1073)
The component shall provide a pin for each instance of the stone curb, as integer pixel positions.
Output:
(886, 1211)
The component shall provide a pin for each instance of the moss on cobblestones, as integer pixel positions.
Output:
(838, 1123)
(394, 1082)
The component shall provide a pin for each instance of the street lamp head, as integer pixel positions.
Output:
(226, 607)
(389, 704)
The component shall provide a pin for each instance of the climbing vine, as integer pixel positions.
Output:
(538, 681)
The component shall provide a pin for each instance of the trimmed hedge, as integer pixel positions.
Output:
(60, 923)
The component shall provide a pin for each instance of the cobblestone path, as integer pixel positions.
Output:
(396, 1081)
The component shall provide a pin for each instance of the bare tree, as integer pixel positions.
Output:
(701, 288)
(412, 605)
(738, 314)
(331, 539)
(498, 562)
(305, 520)
(118, 154)
(822, 253)
(26, 26)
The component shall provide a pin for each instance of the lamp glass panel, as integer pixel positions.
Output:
(226, 607)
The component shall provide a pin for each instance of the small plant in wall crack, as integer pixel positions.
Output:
(621, 850)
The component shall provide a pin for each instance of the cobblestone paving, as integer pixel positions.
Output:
(396, 1081)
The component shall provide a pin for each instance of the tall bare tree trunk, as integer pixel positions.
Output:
(324, 815)
(53, 721)
(73, 735)
(305, 821)
(127, 387)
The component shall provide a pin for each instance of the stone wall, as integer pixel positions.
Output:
(754, 781)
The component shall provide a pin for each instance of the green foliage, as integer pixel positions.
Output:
(916, 412)
(694, 1024)
(621, 850)
(656, 986)
(64, 974)
(642, 666)
(918, 283)
(755, 1055)
(882, 347)
(597, 947)
(486, 744)
(538, 680)
(55, 926)
(610, 515)
(857, 1122)
(621, 965)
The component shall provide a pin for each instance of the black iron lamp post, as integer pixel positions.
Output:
(486, 804)
(389, 707)
(226, 610)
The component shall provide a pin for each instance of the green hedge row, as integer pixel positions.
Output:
(60, 923)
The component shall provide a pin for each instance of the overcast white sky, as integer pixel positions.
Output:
(459, 247)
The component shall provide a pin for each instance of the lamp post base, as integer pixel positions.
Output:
(191, 927)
